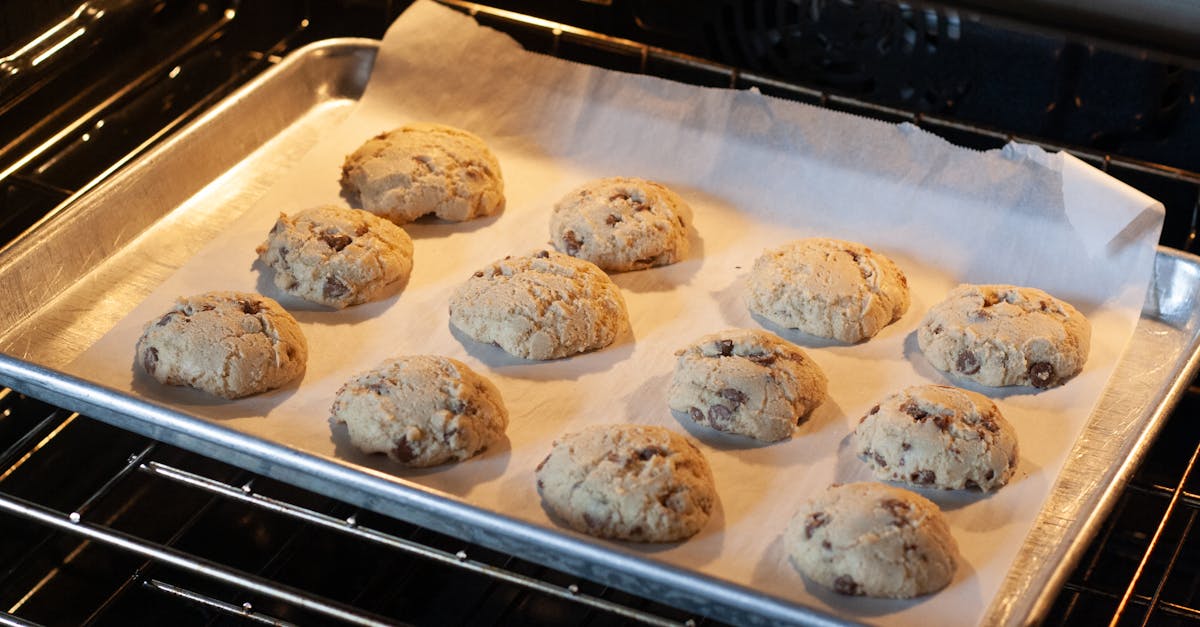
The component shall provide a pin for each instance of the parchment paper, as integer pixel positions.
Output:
(758, 172)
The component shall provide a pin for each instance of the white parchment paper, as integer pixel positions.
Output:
(758, 172)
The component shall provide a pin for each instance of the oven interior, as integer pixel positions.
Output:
(102, 526)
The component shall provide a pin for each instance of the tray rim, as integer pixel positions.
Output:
(586, 557)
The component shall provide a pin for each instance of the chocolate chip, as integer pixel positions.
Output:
(967, 362)
(572, 242)
(736, 396)
(541, 486)
(459, 406)
(696, 414)
(904, 446)
(942, 422)
(637, 206)
(853, 255)
(937, 330)
(612, 219)
(874, 410)
(826, 545)
(150, 359)
(923, 477)
(1041, 374)
(335, 288)
(726, 347)
(541, 254)
(991, 474)
(879, 459)
(336, 242)
(980, 315)
(898, 509)
(165, 320)
(478, 274)
(988, 422)
(917, 413)
(207, 307)
(541, 465)
(404, 451)
(250, 307)
(846, 585)
(719, 414)
(361, 230)
(971, 485)
(378, 387)
(762, 359)
(618, 196)
(680, 219)
(909, 547)
(651, 451)
(815, 521)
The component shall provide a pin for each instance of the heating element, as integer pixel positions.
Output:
(102, 526)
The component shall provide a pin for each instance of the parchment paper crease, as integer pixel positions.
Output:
(758, 172)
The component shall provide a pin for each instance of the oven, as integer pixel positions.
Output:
(102, 525)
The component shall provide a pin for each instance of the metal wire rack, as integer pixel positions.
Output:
(227, 545)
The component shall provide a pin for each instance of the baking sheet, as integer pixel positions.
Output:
(758, 172)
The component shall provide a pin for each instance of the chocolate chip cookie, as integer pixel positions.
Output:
(827, 288)
(1001, 335)
(938, 436)
(747, 382)
(544, 305)
(869, 539)
(337, 256)
(422, 169)
(229, 344)
(421, 410)
(622, 224)
(629, 482)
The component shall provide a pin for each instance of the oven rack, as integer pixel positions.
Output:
(103, 504)
(1151, 555)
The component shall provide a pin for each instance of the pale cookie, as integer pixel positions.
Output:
(1005, 335)
(938, 436)
(230, 344)
(544, 305)
(421, 410)
(747, 382)
(337, 256)
(873, 540)
(622, 224)
(827, 288)
(421, 169)
(629, 482)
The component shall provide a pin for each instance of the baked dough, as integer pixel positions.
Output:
(543, 305)
(421, 410)
(421, 169)
(622, 224)
(827, 288)
(1000, 335)
(873, 540)
(631, 482)
(747, 382)
(938, 436)
(229, 344)
(337, 256)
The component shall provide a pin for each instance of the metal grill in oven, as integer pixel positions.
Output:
(149, 532)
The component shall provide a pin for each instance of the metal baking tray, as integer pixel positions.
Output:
(70, 279)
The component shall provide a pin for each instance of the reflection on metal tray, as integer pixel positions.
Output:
(115, 243)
